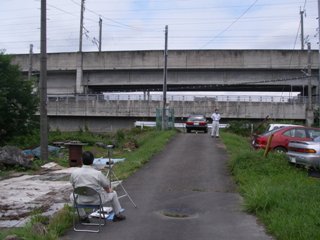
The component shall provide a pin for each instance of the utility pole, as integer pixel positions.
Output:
(43, 84)
(309, 112)
(309, 78)
(30, 62)
(164, 114)
(81, 26)
(100, 33)
(319, 55)
(302, 31)
(79, 78)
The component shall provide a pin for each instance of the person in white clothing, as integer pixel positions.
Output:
(90, 177)
(215, 123)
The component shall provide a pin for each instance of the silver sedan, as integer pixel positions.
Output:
(305, 153)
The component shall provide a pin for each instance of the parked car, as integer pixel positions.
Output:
(305, 153)
(197, 123)
(273, 126)
(282, 137)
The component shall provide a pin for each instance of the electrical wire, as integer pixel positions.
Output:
(228, 27)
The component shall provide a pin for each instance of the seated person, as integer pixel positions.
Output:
(90, 177)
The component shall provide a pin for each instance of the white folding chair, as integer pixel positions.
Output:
(87, 191)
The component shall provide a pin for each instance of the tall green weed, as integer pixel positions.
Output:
(282, 196)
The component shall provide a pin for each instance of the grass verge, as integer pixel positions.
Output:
(284, 198)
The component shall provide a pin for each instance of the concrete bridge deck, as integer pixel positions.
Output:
(188, 70)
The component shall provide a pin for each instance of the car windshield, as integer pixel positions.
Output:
(196, 118)
(271, 132)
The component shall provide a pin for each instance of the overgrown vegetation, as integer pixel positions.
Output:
(18, 103)
(247, 128)
(283, 197)
(136, 145)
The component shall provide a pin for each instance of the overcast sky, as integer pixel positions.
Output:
(140, 24)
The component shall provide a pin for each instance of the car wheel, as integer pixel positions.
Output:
(280, 149)
(188, 130)
(205, 131)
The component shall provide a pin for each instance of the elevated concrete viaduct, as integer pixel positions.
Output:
(188, 70)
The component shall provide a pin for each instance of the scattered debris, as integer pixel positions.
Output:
(51, 166)
(13, 237)
(36, 151)
(130, 146)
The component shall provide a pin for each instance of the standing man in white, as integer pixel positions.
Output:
(215, 123)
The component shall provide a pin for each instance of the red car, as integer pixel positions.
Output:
(282, 137)
(197, 123)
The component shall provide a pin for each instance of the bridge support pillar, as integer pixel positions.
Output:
(79, 74)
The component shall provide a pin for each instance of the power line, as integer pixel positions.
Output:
(228, 27)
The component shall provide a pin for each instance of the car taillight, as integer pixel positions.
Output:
(302, 150)
(189, 123)
(202, 123)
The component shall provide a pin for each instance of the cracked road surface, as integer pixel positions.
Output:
(184, 192)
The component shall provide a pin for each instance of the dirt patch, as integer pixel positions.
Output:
(22, 195)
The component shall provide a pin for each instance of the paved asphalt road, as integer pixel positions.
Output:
(189, 179)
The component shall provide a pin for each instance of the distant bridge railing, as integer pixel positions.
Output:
(182, 97)
(120, 106)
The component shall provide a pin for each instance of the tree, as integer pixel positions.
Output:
(18, 104)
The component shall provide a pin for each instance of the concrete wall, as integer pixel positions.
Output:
(102, 115)
(93, 124)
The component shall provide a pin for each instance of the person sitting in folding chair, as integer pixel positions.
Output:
(90, 177)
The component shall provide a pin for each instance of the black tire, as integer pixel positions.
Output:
(188, 131)
(280, 149)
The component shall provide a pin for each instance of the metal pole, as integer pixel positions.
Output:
(164, 118)
(43, 85)
(30, 62)
(100, 34)
(309, 78)
(302, 33)
(319, 54)
(79, 74)
(81, 26)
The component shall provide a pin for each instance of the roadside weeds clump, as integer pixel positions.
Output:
(284, 198)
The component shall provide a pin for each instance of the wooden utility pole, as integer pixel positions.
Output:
(43, 84)
(164, 112)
